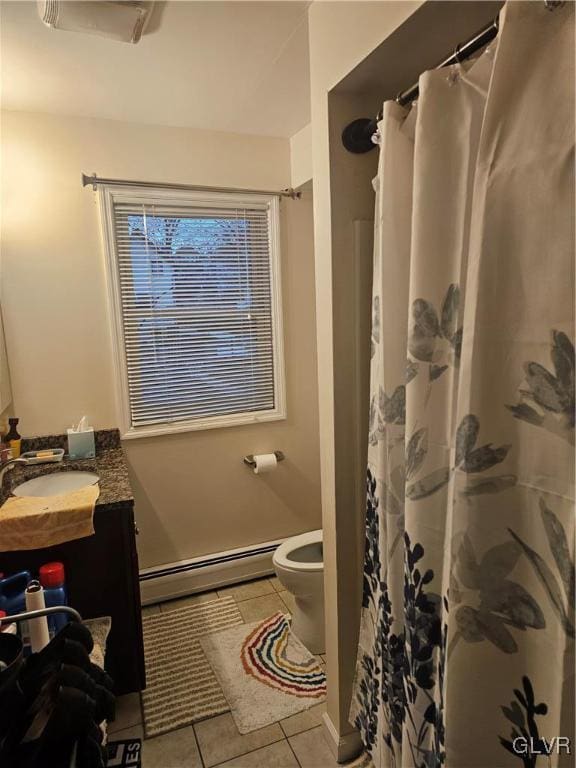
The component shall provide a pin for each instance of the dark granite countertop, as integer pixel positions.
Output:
(109, 464)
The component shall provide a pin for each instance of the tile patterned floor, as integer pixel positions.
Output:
(296, 742)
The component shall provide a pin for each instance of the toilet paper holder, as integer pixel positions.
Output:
(249, 459)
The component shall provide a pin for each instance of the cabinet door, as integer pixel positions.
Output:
(102, 580)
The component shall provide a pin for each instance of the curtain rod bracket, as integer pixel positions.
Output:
(93, 180)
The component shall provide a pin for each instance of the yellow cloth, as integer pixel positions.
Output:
(34, 522)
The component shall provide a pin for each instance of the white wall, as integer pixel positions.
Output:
(5, 386)
(193, 494)
(301, 156)
(341, 35)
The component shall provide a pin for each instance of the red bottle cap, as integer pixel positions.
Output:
(2, 614)
(52, 575)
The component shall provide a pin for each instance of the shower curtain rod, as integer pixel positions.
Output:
(95, 180)
(462, 52)
(357, 136)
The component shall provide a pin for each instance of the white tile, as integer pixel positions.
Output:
(247, 590)
(277, 755)
(303, 721)
(312, 750)
(288, 599)
(176, 749)
(219, 739)
(261, 608)
(128, 712)
(134, 732)
(276, 583)
(183, 602)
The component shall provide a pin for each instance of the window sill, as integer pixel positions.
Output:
(157, 430)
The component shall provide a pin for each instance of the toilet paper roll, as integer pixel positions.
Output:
(38, 628)
(265, 462)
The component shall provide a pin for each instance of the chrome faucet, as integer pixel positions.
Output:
(5, 465)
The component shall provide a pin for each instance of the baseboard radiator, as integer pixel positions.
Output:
(166, 582)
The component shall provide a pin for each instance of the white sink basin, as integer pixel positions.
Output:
(55, 483)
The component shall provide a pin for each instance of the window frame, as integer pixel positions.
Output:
(108, 195)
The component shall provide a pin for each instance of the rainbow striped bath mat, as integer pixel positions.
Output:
(265, 672)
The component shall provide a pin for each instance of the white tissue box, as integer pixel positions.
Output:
(81, 445)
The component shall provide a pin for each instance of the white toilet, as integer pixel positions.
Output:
(299, 565)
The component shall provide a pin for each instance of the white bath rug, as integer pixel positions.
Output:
(265, 672)
(181, 686)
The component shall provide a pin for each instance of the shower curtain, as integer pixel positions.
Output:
(466, 651)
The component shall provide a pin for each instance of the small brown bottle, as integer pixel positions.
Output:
(13, 438)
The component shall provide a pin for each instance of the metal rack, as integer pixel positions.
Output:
(27, 615)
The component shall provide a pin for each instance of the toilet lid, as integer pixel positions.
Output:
(285, 557)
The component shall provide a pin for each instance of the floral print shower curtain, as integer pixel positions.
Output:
(466, 651)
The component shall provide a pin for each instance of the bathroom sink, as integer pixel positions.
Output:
(55, 483)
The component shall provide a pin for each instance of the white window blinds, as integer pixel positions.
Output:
(197, 309)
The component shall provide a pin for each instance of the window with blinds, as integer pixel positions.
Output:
(195, 293)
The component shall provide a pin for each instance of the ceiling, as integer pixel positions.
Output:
(226, 66)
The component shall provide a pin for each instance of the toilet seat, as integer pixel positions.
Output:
(281, 555)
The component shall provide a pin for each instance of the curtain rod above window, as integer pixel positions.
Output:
(95, 180)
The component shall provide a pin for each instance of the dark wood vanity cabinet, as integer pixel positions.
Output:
(102, 580)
